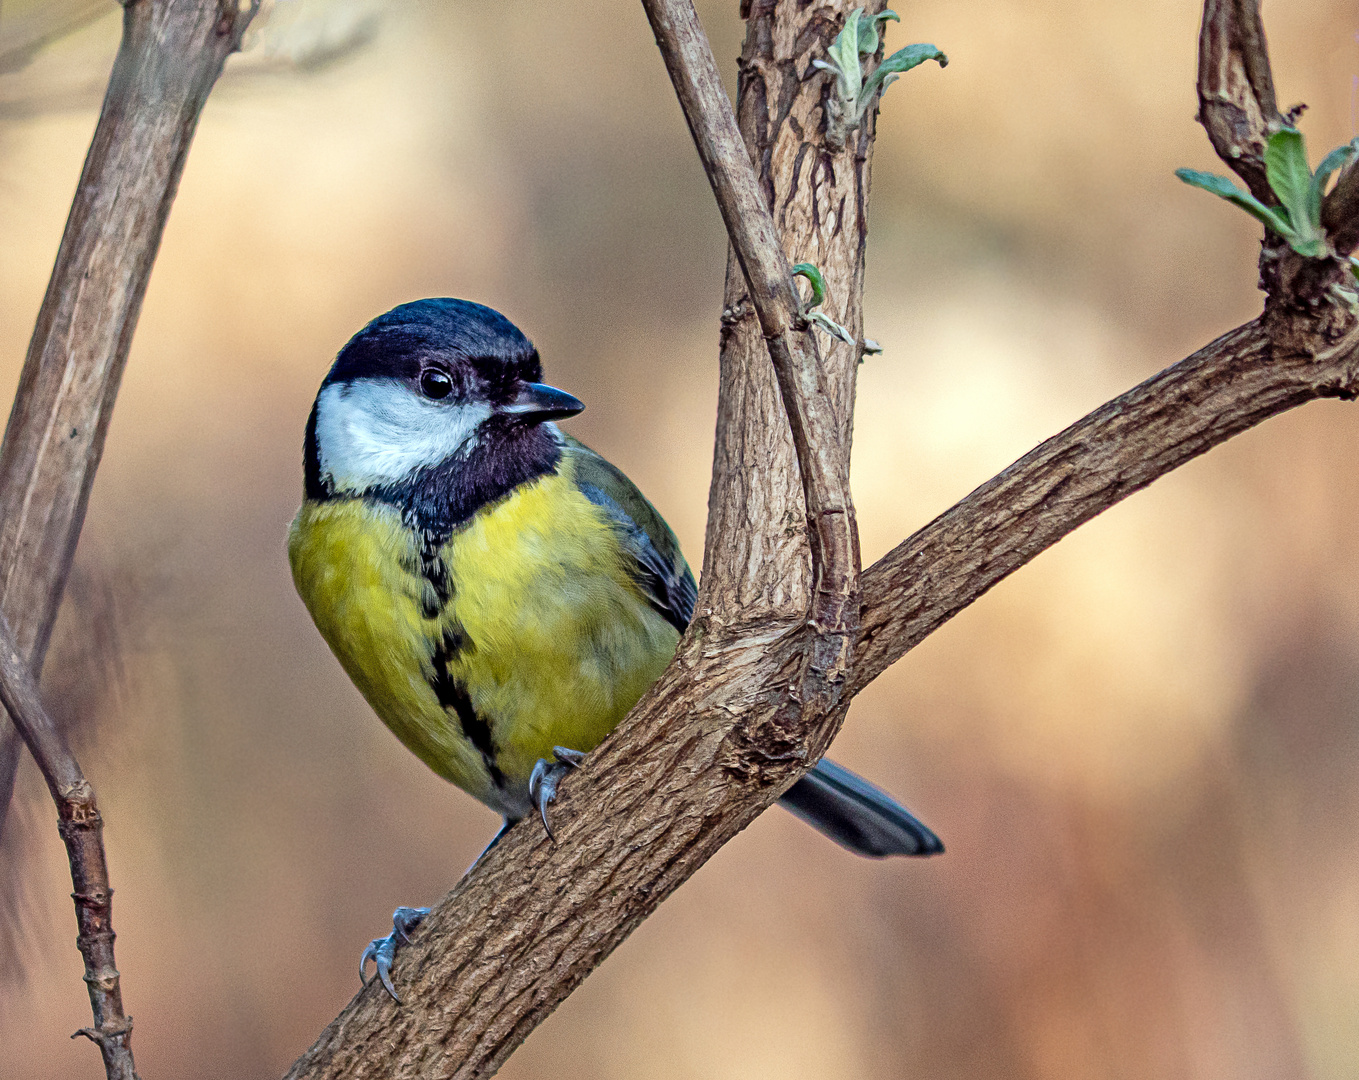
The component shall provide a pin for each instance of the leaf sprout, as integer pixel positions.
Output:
(1299, 190)
(820, 318)
(854, 94)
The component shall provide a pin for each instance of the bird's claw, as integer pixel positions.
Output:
(547, 775)
(382, 951)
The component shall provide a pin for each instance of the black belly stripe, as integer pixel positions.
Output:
(453, 695)
(438, 584)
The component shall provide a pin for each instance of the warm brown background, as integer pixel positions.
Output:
(1143, 751)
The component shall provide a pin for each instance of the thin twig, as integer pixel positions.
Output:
(82, 830)
(171, 54)
(822, 455)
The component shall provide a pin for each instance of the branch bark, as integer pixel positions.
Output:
(728, 728)
(515, 937)
(822, 452)
(1225, 388)
(171, 54)
(1236, 90)
(82, 830)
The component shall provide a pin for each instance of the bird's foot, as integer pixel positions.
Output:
(382, 951)
(547, 775)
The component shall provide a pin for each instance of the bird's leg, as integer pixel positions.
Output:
(504, 828)
(383, 950)
(547, 775)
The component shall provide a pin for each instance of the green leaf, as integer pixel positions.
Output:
(1225, 189)
(1336, 159)
(813, 275)
(844, 54)
(899, 62)
(1290, 177)
(870, 31)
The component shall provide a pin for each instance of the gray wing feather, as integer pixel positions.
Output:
(670, 589)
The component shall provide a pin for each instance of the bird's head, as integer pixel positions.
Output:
(428, 383)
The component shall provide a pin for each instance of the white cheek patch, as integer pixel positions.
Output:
(378, 431)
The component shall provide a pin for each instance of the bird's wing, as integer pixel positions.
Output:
(659, 567)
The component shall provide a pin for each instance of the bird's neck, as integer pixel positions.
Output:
(505, 455)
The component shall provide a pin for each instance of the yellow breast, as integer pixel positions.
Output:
(522, 632)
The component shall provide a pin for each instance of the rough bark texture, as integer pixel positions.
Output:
(1236, 90)
(756, 559)
(786, 630)
(171, 54)
(820, 442)
(726, 730)
(680, 779)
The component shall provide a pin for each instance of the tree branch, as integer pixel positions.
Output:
(658, 798)
(1236, 90)
(823, 456)
(723, 731)
(1225, 388)
(1340, 212)
(82, 830)
(171, 54)
(726, 729)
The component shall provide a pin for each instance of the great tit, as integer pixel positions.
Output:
(499, 593)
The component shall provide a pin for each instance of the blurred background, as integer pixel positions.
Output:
(1142, 750)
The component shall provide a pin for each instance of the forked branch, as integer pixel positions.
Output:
(823, 456)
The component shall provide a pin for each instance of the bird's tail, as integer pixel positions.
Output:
(857, 815)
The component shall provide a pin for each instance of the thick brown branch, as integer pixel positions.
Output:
(698, 759)
(1236, 89)
(1222, 390)
(822, 454)
(171, 54)
(82, 830)
(723, 733)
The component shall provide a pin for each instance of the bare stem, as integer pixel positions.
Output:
(82, 830)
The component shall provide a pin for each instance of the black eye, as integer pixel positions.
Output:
(435, 383)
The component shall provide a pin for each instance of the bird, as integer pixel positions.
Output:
(499, 593)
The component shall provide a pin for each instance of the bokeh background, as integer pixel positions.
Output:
(1142, 751)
